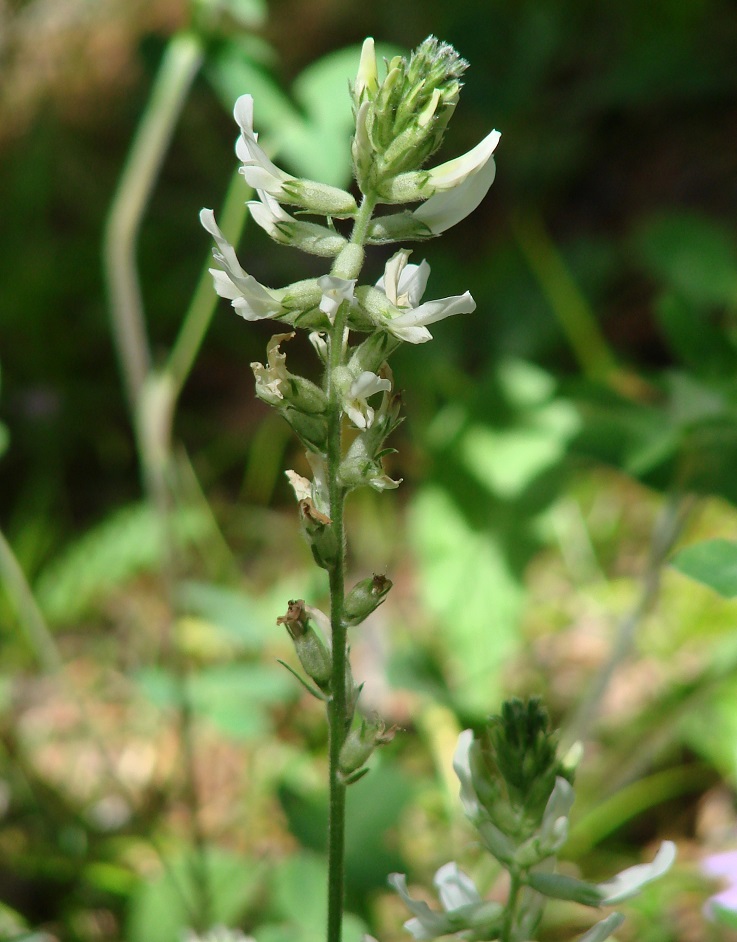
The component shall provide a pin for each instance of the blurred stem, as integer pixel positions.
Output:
(152, 394)
(179, 66)
(668, 528)
(575, 316)
(632, 800)
(30, 617)
(340, 711)
(233, 217)
(515, 885)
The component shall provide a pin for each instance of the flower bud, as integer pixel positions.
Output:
(318, 529)
(401, 121)
(312, 651)
(364, 598)
(398, 227)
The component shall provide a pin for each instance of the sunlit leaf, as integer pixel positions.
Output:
(712, 563)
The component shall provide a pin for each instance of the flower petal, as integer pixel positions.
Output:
(248, 297)
(335, 290)
(446, 209)
(454, 172)
(455, 888)
(411, 325)
(630, 881)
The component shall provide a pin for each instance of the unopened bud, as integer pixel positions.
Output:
(312, 651)
(318, 198)
(364, 598)
(318, 529)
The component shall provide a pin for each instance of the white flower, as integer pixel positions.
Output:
(630, 881)
(462, 905)
(460, 187)
(355, 405)
(269, 378)
(285, 229)
(335, 290)
(268, 213)
(403, 284)
(260, 172)
(249, 298)
(454, 173)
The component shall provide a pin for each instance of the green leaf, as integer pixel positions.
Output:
(298, 898)
(692, 254)
(235, 698)
(467, 583)
(127, 543)
(713, 563)
(160, 906)
(692, 337)
(230, 611)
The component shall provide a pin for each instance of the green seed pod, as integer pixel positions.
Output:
(312, 651)
(364, 598)
(359, 745)
(318, 529)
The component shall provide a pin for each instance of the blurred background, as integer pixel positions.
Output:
(566, 520)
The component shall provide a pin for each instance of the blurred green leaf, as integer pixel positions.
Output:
(297, 887)
(692, 254)
(375, 804)
(236, 698)
(229, 611)
(693, 338)
(712, 563)
(467, 583)
(158, 910)
(125, 544)
(311, 137)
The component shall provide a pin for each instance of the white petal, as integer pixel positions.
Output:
(413, 281)
(602, 930)
(301, 486)
(367, 78)
(410, 334)
(266, 212)
(432, 311)
(335, 290)
(258, 169)
(455, 887)
(446, 209)
(249, 298)
(230, 259)
(462, 768)
(629, 882)
(393, 270)
(367, 384)
(454, 172)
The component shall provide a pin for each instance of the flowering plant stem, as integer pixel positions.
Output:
(339, 716)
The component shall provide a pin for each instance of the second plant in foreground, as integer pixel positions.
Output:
(518, 794)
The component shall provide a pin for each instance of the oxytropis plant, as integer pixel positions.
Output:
(518, 794)
(344, 421)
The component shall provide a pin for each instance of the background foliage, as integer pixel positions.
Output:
(563, 445)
